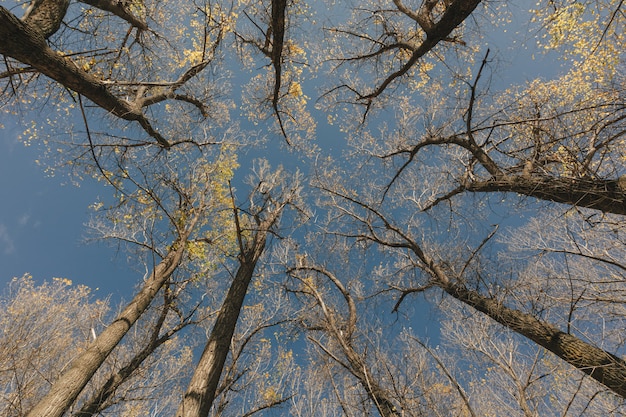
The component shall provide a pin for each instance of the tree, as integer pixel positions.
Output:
(178, 206)
(107, 74)
(260, 371)
(252, 235)
(515, 375)
(354, 370)
(456, 278)
(426, 209)
(40, 325)
(152, 353)
(43, 326)
(341, 332)
(559, 153)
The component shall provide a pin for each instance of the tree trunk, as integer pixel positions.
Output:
(201, 390)
(602, 366)
(607, 196)
(68, 386)
(97, 401)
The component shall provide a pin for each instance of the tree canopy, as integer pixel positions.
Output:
(373, 207)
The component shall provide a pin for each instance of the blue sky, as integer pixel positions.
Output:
(42, 222)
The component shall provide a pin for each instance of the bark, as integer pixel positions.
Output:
(46, 15)
(95, 404)
(119, 9)
(203, 385)
(604, 195)
(602, 366)
(454, 15)
(68, 386)
(278, 38)
(98, 400)
(26, 44)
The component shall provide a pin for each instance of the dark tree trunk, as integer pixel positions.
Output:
(602, 366)
(604, 195)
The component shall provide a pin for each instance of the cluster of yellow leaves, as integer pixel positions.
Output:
(588, 36)
(191, 57)
(570, 24)
(137, 8)
(88, 64)
(295, 89)
(212, 183)
(421, 76)
(293, 50)
(270, 395)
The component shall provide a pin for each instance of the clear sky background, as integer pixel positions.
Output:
(42, 222)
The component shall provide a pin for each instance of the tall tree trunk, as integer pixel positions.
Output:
(68, 386)
(201, 390)
(602, 366)
(98, 400)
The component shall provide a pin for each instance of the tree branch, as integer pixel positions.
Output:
(119, 9)
(27, 45)
(602, 366)
(604, 195)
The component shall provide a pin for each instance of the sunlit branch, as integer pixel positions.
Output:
(119, 9)
(352, 315)
(448, 375)
(386, 48)
(587, 256)
(270, 404)
(407, 291)
(28, 46)
(478, 249)
(456, 12)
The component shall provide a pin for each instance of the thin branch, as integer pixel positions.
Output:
(267, 405)
(458, 388)
(96, 160)
(475, 251)
(405, 292)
